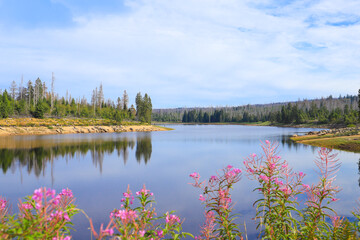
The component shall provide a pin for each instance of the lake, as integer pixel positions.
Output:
(99, 167)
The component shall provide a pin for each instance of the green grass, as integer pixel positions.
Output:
(346, 143)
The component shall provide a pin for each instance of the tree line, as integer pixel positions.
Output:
(341, 110)
(37, 100)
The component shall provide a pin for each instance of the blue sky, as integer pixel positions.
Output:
(185, 52)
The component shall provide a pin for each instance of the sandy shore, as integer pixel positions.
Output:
(11, 131)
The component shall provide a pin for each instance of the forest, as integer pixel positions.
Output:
(37, 100)
(329, 110)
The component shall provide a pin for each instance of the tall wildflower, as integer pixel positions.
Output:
(319, 196)
(279, 186)
(139, 222)
(44, 215)
(218, 204)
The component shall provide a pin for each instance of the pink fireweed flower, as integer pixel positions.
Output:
(194, 175)
(2, 203)
(284, 166)
(50, 192)
(38, 205)
(109, 231)
(267, 142)
(66, 192)
(66, 217)
(237, 170)
(301, 174)
(306, 186)
(144, 192)
(142, 233)
(286, 190)
(334, 199)
(26, 206)
(272, 165)
(124, 215)
(277, 182)
(37, 196)
(56, 200)
(160, 233)
(172, 219)
(202, 198)
(229, 167)
(253, 155)
(213, 178)
(65, 238)
(264, 178)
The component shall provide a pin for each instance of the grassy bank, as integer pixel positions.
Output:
(49, 122)
(334, 141)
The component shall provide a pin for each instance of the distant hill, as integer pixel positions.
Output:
(329, 110)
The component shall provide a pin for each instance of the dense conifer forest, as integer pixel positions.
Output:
(38, 100)
(329, 110)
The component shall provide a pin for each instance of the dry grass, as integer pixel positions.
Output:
(48, 122)
(346, 143)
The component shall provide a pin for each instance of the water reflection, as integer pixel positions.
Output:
(286, 142)
(35, 155)
(359, 171)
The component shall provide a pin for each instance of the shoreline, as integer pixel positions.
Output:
(347, 139)
(49, 130)
(260, 124)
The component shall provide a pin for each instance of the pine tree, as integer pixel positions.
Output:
(125, 100)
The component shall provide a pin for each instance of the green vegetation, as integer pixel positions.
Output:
(143, 108)
(347, 142)
(37, 101)
(324, 111)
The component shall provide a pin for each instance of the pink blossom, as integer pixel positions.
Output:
(142, 233)
(277, 182)
(202, 198)
(334, 199)
(229, 167)
(65, 238)
(272, 165)
(172, 219)
(37, 196)
(267, 142)
(286, 190)
(301, 174)
(194, 175)
(109, 231)
(26, 206)
(160, 233)
(38, 205)
(213, 178)
(56, 200)
(253, 155)
(2, 203)
(66, 217)
(66, 192)
(264, 178)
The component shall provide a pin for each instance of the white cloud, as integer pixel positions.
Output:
(194, 52)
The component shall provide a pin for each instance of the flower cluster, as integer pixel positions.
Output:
(43, 215)
(218, 203)
(139, 222)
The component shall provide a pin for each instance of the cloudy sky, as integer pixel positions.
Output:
(185, 52)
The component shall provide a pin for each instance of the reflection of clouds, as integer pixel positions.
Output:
(36, 154)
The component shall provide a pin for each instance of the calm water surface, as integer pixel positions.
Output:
(99, 167)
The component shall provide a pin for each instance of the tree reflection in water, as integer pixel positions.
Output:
(35, 157)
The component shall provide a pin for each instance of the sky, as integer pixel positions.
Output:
(184, 53)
